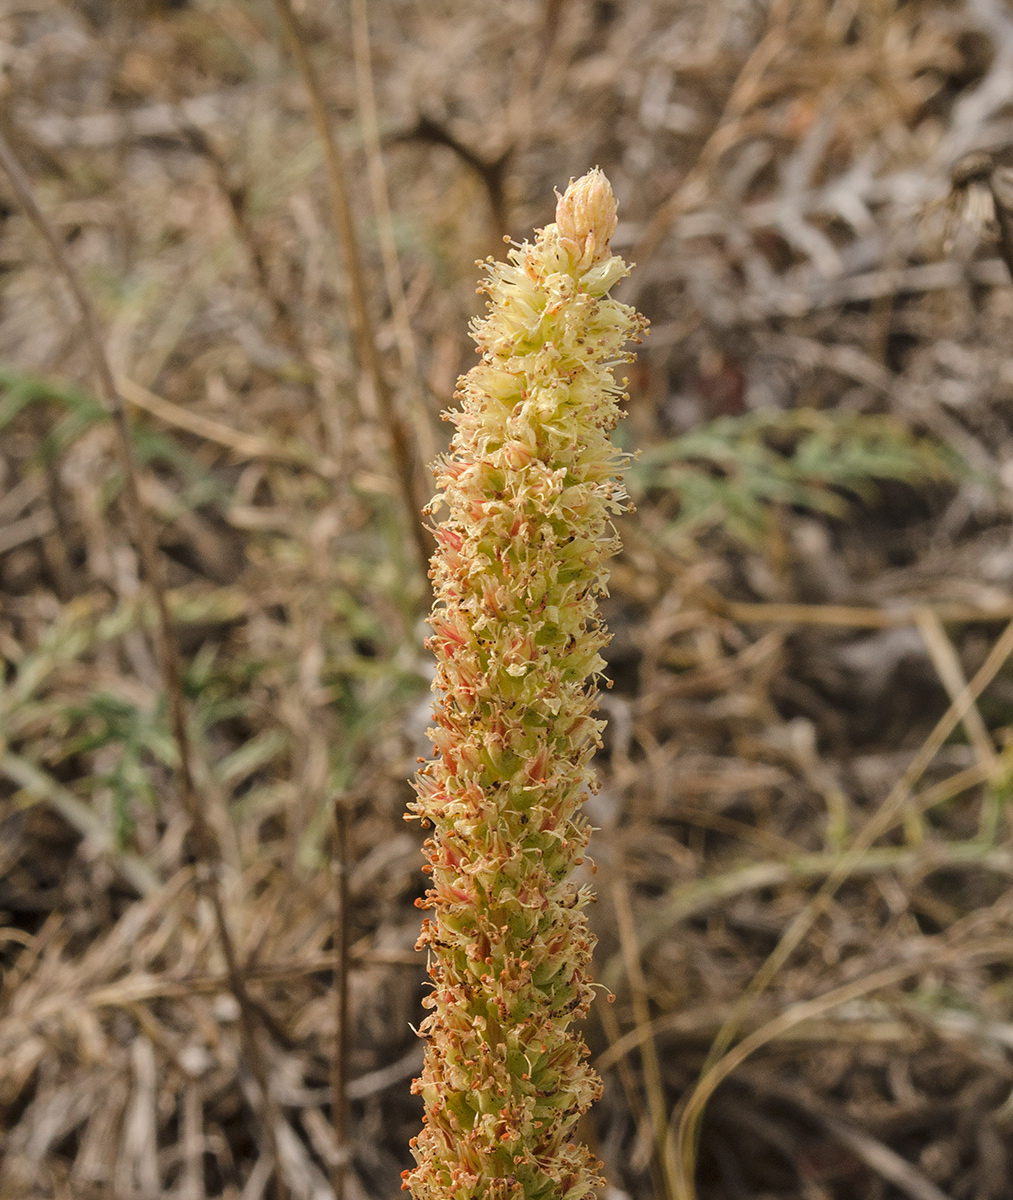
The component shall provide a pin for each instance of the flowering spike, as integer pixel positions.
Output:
(531, 482)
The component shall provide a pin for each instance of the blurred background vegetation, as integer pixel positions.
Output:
(804, 867)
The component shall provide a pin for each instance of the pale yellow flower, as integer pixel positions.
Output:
(531, 485)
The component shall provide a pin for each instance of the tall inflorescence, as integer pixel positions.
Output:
(531, 482)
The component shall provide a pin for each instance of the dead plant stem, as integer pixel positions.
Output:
(362, 325)
(947, 663)
(339, 1059)
(610, 1026)
(205, 845)
(850, 615)
(393, 277)
(244, 445)
(894, 804)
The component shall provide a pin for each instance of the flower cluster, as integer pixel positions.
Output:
(531, 482)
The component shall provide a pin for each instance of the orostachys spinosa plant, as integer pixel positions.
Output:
(531, 484)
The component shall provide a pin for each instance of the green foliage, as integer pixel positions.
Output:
(107, 720)
(113, 739)
(733, 472)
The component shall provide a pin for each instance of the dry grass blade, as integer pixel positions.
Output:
(825, 184)
(946, 662)
(884, 1161)
(652, 1071)
(805, 1011)
(34, 784)
(854, 616)
(284, 319)
(144, 532)
(206, 848)
(631, 1089)
(694, 188)
(895, 803)
(339, 1058)
(245, 445)
(704, 895)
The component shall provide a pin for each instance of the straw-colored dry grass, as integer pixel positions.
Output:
(795, 772)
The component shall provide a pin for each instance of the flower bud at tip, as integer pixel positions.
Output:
(586, 218)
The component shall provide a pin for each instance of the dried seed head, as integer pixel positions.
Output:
(586, 218)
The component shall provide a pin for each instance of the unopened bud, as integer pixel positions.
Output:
(586, 218)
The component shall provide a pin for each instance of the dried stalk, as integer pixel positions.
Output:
(339, 1059)
(243, 445)
(808, 1010)
(947, 663)
(631, 1087)
(851, 616)
(491, 171)
(362, 325)
(204, 843)
(393, 278)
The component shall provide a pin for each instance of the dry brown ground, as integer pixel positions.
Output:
(793, 774)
